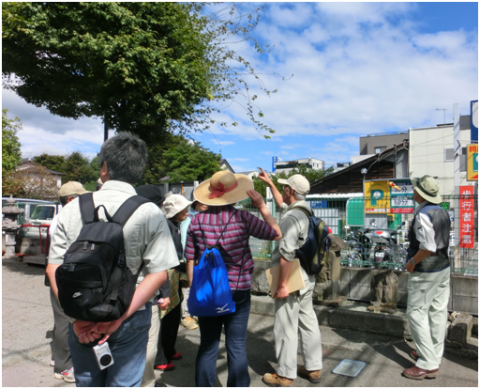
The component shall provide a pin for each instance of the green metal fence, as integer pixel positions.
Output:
(351, 217)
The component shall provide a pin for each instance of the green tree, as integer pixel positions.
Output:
(142, 67)
(95, 169)
(189, 161)
(155, 168)
(77, 168)
(52, 162)
(11, 155)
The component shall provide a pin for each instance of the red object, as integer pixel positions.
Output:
(329, 230)
(379, 232)
(220, 190)
(176, 356)
(168, 367)
(47, 239)
(467, 217)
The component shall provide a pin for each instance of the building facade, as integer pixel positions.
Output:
(432, 153)
(286, 166)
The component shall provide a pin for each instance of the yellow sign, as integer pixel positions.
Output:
(377, 197)
(472, 162)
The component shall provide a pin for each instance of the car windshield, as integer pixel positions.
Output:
(43, 213)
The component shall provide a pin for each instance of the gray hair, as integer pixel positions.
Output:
(125, 156)
(64, 199)
(299, 196)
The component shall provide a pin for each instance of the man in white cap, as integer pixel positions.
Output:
(61, 358)
(429, 279)
(292, 309)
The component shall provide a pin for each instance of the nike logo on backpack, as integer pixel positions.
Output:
(77, 294)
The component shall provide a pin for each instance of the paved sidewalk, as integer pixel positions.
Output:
(27, 320)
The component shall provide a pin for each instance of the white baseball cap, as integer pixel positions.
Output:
(298, 183)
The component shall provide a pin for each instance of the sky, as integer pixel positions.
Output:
(342, 71)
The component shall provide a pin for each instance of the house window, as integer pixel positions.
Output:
(449, 154)
(379, 149)
(450, 157)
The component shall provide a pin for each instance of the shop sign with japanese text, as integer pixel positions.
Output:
(467, 211)
(472, 162)
(401, 198)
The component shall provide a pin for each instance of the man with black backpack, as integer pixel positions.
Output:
(108, 258)
(293, 311)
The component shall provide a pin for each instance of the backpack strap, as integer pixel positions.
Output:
(304, 210)
(87, 207)
(128, 208)
(121, 217)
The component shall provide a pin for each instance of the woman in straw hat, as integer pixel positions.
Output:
(220, 193)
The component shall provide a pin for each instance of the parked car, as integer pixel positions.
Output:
(28, 205)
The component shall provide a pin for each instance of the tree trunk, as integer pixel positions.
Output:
(105, 128)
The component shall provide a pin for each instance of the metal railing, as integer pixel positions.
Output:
(347, 215)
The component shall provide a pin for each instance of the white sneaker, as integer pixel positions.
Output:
(66, 375)
(52, 363)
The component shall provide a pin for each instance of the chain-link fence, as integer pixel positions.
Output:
(378, 237)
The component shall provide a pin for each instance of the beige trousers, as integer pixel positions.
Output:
(428, 295)
(295, 316)
(149, 372)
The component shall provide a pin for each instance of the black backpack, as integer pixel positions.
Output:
(94, 282)
(314, 252)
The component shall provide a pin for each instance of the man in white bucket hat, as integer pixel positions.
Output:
(429, 279)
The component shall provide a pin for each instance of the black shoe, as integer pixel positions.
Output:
(160, 385)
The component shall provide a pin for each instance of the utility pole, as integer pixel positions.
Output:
(456, 179)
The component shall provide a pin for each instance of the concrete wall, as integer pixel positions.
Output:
(427, 156)
(355, 284)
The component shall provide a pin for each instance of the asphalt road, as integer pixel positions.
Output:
(28, 320)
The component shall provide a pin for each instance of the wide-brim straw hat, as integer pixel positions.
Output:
(223, 188)
(428, 188)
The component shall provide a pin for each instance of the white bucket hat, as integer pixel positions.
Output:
(175, 203)
(297, 182)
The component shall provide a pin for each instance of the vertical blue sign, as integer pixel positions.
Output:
(274, 161)
(474, 120)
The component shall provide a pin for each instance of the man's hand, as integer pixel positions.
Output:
(409, 266)
(165, 304)
(83, 329)
(257, 198)
(265, 177)
(107, 328)
(281, 293)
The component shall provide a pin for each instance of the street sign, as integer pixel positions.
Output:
(472, 162)
(377, 197)
(401, 200)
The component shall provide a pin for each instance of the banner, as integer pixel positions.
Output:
(467, 226)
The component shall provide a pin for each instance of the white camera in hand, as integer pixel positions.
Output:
(103, 355)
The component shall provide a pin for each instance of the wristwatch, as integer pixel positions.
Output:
(412, 261)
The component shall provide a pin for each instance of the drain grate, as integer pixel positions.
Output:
(349, 368)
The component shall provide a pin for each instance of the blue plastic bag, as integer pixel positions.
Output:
(210, 293)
